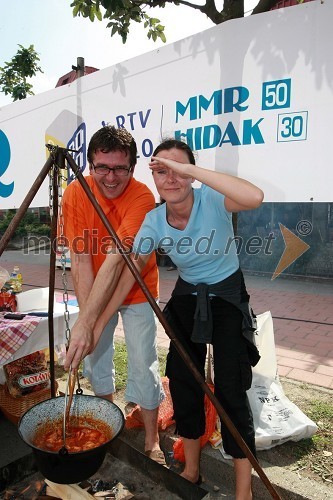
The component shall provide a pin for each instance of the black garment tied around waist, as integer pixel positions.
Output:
(231, 289)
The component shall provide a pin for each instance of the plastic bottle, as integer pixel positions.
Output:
(15, 283)
(19, 275)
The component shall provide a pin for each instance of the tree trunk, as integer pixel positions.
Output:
(233, 8)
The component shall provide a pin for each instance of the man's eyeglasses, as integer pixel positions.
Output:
(104, 170)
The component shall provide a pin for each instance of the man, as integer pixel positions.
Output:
(112, 157)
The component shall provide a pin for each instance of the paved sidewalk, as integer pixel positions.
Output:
(303, 324)
(302, 313)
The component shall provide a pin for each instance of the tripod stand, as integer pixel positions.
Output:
(56, 162)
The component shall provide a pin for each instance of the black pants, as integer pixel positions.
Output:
(232, 372)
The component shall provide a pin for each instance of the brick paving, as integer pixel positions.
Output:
(303, 325)
(302, 314)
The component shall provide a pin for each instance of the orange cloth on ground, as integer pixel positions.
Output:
(86, 234)
(211, 416)
(165, 414)
(165, 411)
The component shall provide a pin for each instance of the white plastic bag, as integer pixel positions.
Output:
(4, 276)
(264, 340)
(36, 299)
(276, 418)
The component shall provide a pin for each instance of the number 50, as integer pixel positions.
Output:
(276, 94)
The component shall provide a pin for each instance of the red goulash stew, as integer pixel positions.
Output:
(83, 434)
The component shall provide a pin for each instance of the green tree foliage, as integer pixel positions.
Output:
(121, 13)
(14, 74)
(28, 224)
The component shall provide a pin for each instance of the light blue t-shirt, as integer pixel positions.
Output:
(205, 251)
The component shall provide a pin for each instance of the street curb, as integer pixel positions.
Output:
(289, 485)
(218, 473)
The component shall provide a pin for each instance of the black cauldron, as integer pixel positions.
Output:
(70, 467)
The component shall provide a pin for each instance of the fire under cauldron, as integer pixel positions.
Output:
(70, 468)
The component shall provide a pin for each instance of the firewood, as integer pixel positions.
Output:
(50, 492)
(68, 491)
(123, 493)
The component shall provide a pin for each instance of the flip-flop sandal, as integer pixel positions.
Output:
(200, 481)
(157, 456)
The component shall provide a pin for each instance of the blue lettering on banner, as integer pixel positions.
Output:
(292, 126)
(276, 94)
(147, 148)
(212, 136)
(5, 189)
(130, 120)
(78, 143)
(223, 101)
(226, 101)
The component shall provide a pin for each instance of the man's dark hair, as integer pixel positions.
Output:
(168, 144)
(110, 138)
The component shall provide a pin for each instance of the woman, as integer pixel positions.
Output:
(209, 303)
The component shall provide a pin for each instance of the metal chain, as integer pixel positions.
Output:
(61, 178)
(51, 173)
(61, 246)
(56, 170)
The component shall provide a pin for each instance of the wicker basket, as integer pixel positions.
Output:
(13, 408)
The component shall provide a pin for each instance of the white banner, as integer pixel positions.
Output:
(253, 97)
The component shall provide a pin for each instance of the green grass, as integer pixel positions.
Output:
(120, 361)
(315, 454)
(312, 457)
(319, 410)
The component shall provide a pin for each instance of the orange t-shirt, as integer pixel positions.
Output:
(86, 233)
